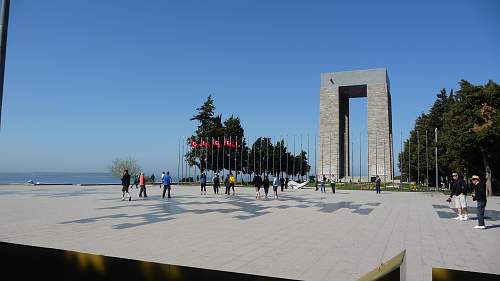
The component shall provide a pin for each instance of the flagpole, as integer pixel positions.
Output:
(223, 156)
(274, 152)
(301, 159)
(260, 157)
(316, 159)
(218, 153)
(322, 149)
(409, 159)
(360, 156)
(293, 164)
(242, 150)
(267, 156)
(418, 158)
(330, 150)
(426, 162)
(212, 157)
(188, 166)
(182, 158)
(281, 158)
(178, 160)
(308, 156)
(248, 164)
(236, 160)
(230, 142)
(287, 157)
(436, 156)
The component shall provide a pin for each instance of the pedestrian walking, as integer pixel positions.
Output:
(333, 182)
(167, 185)
(479, 195)
(266, 184)
(458, 190)
(152, 179)
(232, 182)
(322, 183)
(125, 185)
(216, 181)
(282, 183)
(257, 182)
(286, 182)
(377, 185)
(136, 181)
(203, 183)
(161, 179)
(276, 183)
(227, 185)
(142, 185)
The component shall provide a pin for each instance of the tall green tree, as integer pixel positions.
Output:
(468, 134)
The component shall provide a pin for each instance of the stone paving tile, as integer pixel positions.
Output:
(304, 235)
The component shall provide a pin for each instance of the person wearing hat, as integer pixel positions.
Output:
(459, 191)
(479, 195)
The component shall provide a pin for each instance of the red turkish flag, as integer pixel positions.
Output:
(194, 144)
(204, 144)
(216, 143)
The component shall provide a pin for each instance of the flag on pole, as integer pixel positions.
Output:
(194, 144)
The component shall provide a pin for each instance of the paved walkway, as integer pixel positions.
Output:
(304, 235)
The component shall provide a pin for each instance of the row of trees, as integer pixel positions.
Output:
(468, 126)
(262, 156)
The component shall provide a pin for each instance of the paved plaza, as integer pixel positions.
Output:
(303, 235)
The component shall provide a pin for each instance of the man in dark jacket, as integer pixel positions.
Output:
(377, 184)
(480, 196)
(203, 183)
(125, 184)
(458, 190)
(257, 182)
(266, 184)
(282, 183)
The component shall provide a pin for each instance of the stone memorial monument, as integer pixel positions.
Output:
(336, 90)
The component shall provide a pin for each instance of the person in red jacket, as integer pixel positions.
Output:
(142, 184)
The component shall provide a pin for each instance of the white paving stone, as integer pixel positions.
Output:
(304, 235)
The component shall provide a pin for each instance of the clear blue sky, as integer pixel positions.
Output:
(89, 81)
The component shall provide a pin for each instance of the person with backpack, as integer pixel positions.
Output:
(216, 181)
(458, 190)
(142, 184)
(166, 181)
(203, 183)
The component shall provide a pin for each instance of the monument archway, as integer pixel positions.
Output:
(336, 90)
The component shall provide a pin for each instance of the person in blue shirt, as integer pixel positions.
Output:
(166, 181)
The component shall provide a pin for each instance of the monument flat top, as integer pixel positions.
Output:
(355, 77)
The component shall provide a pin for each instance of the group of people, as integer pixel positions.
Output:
(229, 183)
(258, 182)
(459, 190)
(323, 181)
(166, 182)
